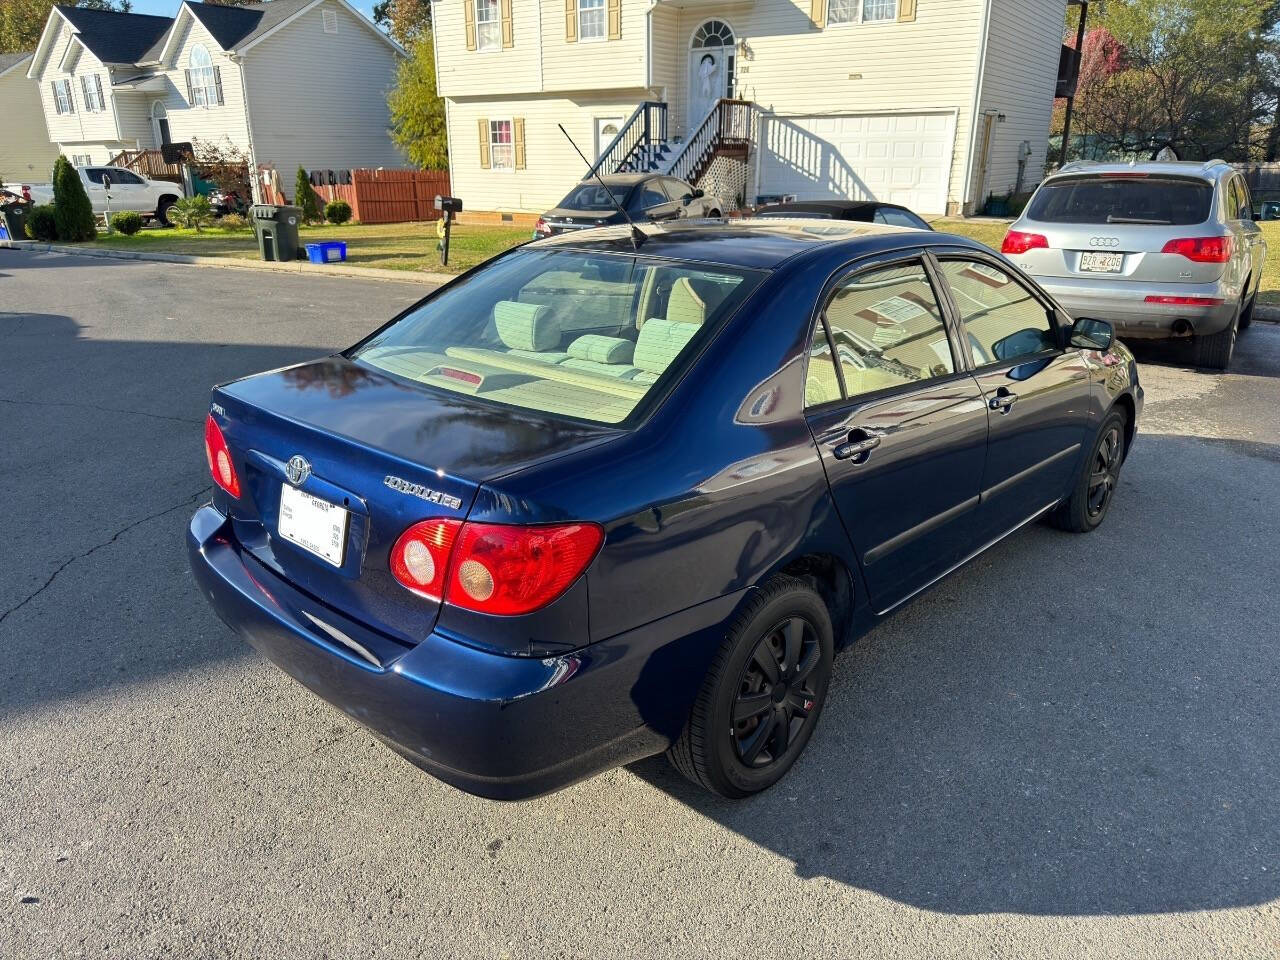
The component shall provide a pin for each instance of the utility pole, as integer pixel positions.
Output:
(1074, 77)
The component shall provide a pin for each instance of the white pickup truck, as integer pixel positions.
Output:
(124, 189)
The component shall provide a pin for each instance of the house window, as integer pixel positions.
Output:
(843, 11)
(501, 145)
(488, 25)
(62, 96)
(591, 20)
(91, 88)
(873, 10)
(864, 11)
(204, 90)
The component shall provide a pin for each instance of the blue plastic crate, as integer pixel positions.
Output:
(334, 251)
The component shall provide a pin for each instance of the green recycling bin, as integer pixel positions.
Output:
(15, 219)
(277, 230)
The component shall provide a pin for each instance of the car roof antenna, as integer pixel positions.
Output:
(638, 236)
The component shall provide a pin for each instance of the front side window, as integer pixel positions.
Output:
(591, 14)
(583, 335)
(488, 25)
(204, 89)
(650, 196)
(894, 217)
(501, 145)
(887, 330)
(1003, 320)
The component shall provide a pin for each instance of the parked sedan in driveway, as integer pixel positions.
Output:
(587, 502)
(1159, 249)
(861, 211)
(645, 196)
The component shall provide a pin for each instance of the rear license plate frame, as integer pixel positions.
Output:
(1093, 261)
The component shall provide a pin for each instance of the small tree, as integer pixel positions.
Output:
(417, 112)
(192, 212)
(305, 197)
(71, 206)
(225, 165)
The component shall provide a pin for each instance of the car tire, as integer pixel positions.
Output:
(162, 212)
(1095, 486)
(785, 630)
(1214, 351)
(1246, 315)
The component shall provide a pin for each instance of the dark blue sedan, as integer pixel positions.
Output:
(590, 502)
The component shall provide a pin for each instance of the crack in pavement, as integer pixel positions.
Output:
(94, 406)
(96, 547)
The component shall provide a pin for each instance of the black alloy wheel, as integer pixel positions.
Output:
(776, 694)
(1105, 471)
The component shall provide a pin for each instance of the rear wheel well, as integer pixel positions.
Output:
(166, 198)
(830, 579)
(1125, 402)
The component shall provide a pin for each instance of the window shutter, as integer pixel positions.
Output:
(818, 13)
(191, 97)
(57, 105)
(571, 21)
(615, 19)
(517, 134)
(508, 35)
(469, 14)
(217, 83)
(484, 143)
(84, 89)
(906, 11)
(97, 82)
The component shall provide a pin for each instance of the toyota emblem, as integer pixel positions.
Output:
(297, 470)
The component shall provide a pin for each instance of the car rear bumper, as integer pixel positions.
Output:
(498, 726)
(1125, 305)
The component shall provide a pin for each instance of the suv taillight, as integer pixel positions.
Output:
(542, 227)
(493, 568)
(1201, 249)
(1015, 241)
(219, 455)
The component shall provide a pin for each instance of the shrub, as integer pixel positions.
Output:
(127, 222)
(42, 223)
(305, 197)
(71, 207)
(192, 212)
(232, 221)
(337, 211)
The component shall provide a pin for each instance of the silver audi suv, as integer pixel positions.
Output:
(1159, 249)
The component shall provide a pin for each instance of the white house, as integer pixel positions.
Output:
(25, 150)
(290, 82)
(930, 103)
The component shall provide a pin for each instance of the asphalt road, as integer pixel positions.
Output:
(1068, 749)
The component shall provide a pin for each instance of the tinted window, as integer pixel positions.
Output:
(1122, 200)
(1003, 321)
(124, 176)
(584, 335)
(895, 217)
(888, 331)
(593, 197)
(95, 174)
(1236, 198)
(650, 196)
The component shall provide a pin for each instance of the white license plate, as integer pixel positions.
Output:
(316, 525)
(1101, 262)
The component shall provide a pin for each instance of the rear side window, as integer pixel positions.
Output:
(1154, 200)
(578, 334)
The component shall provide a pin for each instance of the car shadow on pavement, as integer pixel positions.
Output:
(1071, 725)
(1181, 353)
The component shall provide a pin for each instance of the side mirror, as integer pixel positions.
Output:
(1090, 334)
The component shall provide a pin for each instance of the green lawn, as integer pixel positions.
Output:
(393, 246)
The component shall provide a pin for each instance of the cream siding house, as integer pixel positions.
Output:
(290, 82)
(921, 102)
(25, 151)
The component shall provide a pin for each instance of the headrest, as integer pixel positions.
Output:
(684, 305)
(660, 341)
(525, 326)
(602, 349)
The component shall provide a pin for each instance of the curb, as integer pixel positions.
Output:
(1266, 314)
(262, 266)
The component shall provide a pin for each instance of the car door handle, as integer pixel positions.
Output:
(858, 446)
(1003, 400)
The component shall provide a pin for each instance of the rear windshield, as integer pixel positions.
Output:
(594, 197)
(1153, 200)
(583, 335)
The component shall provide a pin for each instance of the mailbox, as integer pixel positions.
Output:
(449, 205)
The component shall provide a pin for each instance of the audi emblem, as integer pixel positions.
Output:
(1104, 241)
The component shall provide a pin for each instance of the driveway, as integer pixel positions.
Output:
(1067, 749)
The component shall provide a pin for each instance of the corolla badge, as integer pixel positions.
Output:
(421, 492)
(297, 470)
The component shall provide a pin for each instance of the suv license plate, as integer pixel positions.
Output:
(316, 525)
(1101, 262)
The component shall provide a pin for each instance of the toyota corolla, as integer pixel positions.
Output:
(601, 498)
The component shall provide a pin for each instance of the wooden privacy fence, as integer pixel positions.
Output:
(381, 196)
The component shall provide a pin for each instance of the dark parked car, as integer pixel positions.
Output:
(860, 211)
(645, 196)
(588, 503)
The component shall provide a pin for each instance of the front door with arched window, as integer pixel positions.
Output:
(160, 123)
(711, 68)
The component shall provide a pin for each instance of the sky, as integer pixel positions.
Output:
(168, 8)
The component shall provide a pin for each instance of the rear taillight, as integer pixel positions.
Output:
(1201, 249)
(542, 227)
(420, 558)
(493, 568)
(26, 193)
(219, 455)
(1015, 241)
(1186, 301)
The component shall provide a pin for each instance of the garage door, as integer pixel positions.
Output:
(894, 157)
